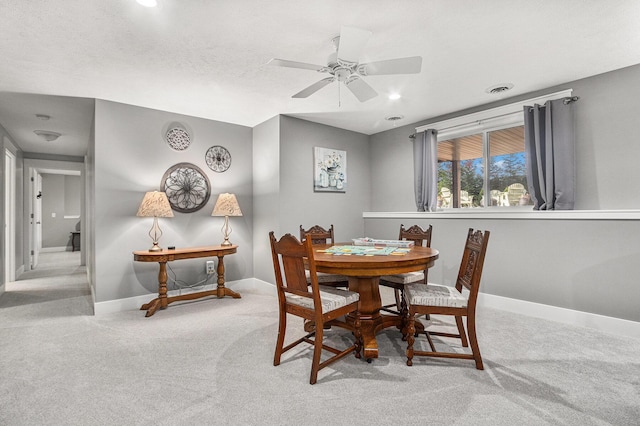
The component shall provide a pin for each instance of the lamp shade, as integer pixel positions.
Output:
(155, 204)
(226, 205)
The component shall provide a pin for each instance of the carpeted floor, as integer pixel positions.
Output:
(211, 362)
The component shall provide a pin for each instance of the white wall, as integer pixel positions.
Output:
(131, 156)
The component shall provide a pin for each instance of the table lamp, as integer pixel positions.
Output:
(155, 204)
(226, 206)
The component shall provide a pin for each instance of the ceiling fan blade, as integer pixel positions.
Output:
(294, 64)
(352, 43)
(411, 65)
(360, 88)
(314, 88)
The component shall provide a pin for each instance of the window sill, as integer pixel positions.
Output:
(515, 214)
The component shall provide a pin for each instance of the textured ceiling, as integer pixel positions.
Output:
(209, 58)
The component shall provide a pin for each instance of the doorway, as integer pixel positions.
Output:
(56, 217)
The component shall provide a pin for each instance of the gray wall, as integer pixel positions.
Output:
(61, 196)
(287, 200)
(575, 264)
(606, 144)
(130, 158)
(266, 194)
(586, 265)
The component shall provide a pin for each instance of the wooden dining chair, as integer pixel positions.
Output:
(435, 299)
(420, 237)
(325, 306)
(319, 235)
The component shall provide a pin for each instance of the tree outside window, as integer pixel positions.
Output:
(462, 181)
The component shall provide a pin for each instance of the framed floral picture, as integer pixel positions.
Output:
(330, 171)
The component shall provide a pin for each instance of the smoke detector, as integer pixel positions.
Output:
(394, 118)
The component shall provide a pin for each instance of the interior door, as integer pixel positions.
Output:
(37, 219)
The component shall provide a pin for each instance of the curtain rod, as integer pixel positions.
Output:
(566, 101)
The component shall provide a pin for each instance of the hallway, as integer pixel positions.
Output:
(59, 284)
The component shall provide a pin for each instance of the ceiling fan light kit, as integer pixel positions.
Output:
(343, 65)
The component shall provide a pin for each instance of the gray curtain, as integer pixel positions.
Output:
(550, 156)
(425, 170)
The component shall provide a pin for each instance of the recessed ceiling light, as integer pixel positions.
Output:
(47, 135)
(43, 117)
(148, 3)
(499, 88)
(394, 96)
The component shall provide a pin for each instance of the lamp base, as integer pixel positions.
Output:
(155, 247)
(226, 243)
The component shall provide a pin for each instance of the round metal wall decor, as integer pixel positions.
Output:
(218, 158)
(178, 138)
(186, 186)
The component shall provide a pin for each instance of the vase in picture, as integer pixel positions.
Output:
(333, 175)
(324, 179)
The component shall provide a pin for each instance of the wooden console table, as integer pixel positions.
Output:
(164, 256)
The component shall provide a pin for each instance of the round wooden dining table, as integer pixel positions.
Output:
(364, 274)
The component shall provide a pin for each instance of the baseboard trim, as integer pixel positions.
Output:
(54, 249)
(603, 323)
(134, 303)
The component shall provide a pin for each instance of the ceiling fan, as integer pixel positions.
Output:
(343, 65)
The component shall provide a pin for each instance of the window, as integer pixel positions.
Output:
(461, 171)
(483, 153)
(490, 162)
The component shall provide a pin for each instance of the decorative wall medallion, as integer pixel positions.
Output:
(186, 186)
(178, 138)
(218, 158)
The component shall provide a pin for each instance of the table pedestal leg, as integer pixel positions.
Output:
(371, 321)
(160, 301)
(222, 290)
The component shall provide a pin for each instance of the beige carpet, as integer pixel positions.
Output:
(210, 362)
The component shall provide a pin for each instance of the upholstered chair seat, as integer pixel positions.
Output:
(331, 299)
(434, 295)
